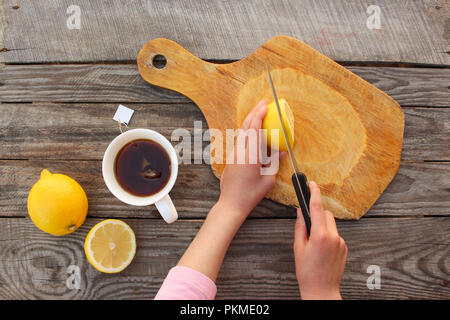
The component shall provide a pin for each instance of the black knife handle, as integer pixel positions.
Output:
(301, 186)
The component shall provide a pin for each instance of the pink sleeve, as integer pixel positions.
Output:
(183, 283)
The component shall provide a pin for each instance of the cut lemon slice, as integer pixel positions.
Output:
(271, 122)
(110, 246)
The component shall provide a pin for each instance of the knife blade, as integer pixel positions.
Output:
(299, 179)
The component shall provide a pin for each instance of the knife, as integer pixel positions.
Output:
(298, 178)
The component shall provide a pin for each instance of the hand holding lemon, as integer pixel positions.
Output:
(272, 122)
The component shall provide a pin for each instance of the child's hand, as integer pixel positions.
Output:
(319, 260)
(242, 186)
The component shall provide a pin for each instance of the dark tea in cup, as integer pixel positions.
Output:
(142, 167)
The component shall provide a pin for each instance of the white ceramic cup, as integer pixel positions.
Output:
(161, 199)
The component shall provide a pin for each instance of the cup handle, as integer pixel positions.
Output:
(167, 209)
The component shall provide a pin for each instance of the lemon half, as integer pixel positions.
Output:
(110, 246)
(272, 122)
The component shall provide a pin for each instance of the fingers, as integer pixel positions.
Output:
(248, 119)
(344, 247)
(258, 116)
(331, 222)
(300, 233)
(318, 219)
(245, 127)
(321, 221)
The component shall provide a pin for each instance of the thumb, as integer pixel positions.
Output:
(300, 233)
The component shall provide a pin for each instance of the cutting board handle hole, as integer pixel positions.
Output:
(159, 61)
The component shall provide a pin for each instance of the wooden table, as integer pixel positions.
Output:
(59, 88)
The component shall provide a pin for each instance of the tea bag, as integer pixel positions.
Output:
(123, 114)
(148, 172)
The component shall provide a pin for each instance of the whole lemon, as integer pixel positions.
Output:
(57, 204)
(272, 122)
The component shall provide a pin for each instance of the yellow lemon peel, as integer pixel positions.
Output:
(57, 204)
(272, 122)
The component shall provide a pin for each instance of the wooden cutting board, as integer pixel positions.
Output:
(348, 133)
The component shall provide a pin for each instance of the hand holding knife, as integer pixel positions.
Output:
(298, 178)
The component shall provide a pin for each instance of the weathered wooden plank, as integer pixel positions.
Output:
(427, 134)
(122, 82)
(80, 83)
(419, 189)
(112, 30)
(413, 255)
(195, 192)
(83, 131)
(410, 86)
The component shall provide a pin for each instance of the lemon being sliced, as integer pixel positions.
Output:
(110, 246)
(272, 122)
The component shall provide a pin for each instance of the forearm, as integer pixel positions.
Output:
(206, 252)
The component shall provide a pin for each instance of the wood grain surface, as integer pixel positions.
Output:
(58, 116)
(83, 130)
(43, 134)
(111, 30)
(419, 189)
(413, 255)
(122, 82)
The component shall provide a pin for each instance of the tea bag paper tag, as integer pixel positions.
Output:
(123, 114)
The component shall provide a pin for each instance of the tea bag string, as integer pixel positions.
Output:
(120, 125)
